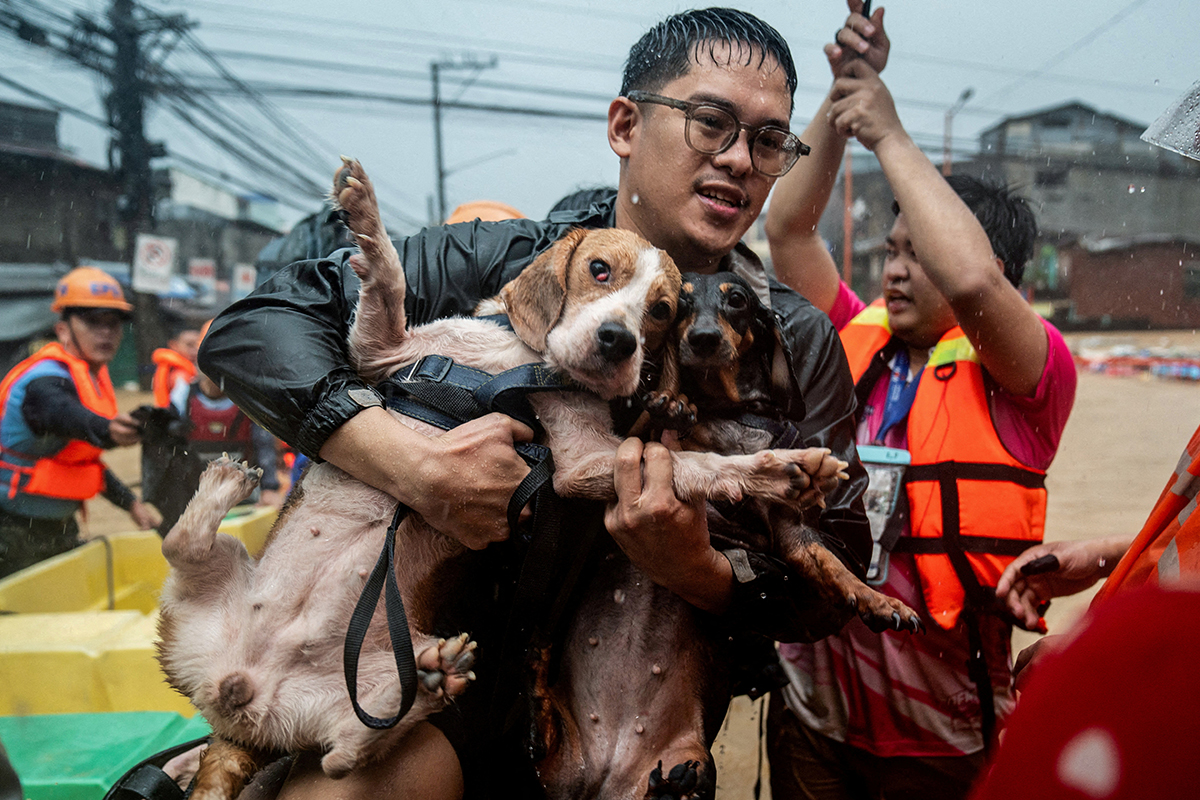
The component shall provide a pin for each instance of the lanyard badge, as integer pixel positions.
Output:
(885, 470)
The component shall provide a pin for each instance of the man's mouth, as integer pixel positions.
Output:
(727, 197)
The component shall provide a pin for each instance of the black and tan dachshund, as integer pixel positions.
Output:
(734, 371)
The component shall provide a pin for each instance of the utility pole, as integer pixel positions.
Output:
(133, 32)
(946, 137)
(435, 69)
(130, 154)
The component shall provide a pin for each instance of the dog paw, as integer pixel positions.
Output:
(354, 194)
(339, 762)
(224, 476)
(683, 782)
(882, 613)
(445, 668)
(670, 411)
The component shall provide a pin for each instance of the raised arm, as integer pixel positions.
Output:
(798, 253)
(948, 240)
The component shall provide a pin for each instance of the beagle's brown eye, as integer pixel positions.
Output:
(661, 311)
(600, 271)
(736, 300)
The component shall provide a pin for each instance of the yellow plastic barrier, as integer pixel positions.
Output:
(82, 662)
(125, 571)
(65, 651)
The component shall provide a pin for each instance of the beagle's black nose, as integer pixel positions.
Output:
(617, 342)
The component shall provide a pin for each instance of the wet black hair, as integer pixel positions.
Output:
(1006, 218)
(669, 49)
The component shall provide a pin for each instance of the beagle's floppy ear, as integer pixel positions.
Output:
(535, 298)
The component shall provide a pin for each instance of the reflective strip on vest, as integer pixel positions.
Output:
(964, 488)
(74, 472)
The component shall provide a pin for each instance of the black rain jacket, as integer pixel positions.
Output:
(282, 355)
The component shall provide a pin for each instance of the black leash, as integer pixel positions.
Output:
(360, 621)
(444, 393)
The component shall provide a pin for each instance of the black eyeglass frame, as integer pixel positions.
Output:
(689, 108)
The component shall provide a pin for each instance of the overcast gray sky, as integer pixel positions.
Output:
(1127, 58)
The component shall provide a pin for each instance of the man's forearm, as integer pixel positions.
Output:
(380, 452)
(798, 252)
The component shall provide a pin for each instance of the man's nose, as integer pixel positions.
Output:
(894, 270)
(737, 158)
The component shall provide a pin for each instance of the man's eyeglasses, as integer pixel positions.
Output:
(711, 130)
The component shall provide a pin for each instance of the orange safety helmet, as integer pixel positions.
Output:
(486, 210)
(89, 287)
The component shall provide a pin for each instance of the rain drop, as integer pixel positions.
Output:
(619, 596)
(635, 198)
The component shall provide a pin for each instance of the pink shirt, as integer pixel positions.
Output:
(897, 694)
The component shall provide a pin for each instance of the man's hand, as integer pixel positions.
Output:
(460, 481)
(664, 537)
(862, 106)
(1031, 656)
(144, 516)
(860, 38)
(469, 477)
(1080, 565)
(124, 430)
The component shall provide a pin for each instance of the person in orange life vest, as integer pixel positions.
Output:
(1164, 553)
(953, 366)
(58, 413)
(175, 363)
(219, 426)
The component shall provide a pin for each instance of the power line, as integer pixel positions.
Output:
(1062, 55)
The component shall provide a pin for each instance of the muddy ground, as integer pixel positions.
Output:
(1123, 439)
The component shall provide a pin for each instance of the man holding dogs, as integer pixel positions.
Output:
(701, 131)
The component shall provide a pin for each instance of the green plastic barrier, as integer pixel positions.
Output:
(80, 756)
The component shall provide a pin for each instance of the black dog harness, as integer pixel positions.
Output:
(441, 392)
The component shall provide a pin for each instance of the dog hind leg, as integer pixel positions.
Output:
(687, 780)
(224, 770)
(445, 671)
(379, 322)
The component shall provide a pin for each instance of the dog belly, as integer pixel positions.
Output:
(639, 683)
(264, 662)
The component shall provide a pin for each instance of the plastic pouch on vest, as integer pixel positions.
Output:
(885, 468)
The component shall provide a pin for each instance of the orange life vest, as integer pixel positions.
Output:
(170, 365)
(1167, 549)
(75, 472)
(972, 506)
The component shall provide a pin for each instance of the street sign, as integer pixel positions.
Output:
(245, 278)
(203, 272)
(153, 263)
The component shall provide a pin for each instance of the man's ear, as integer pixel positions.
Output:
(622, 119)
(62, 331)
